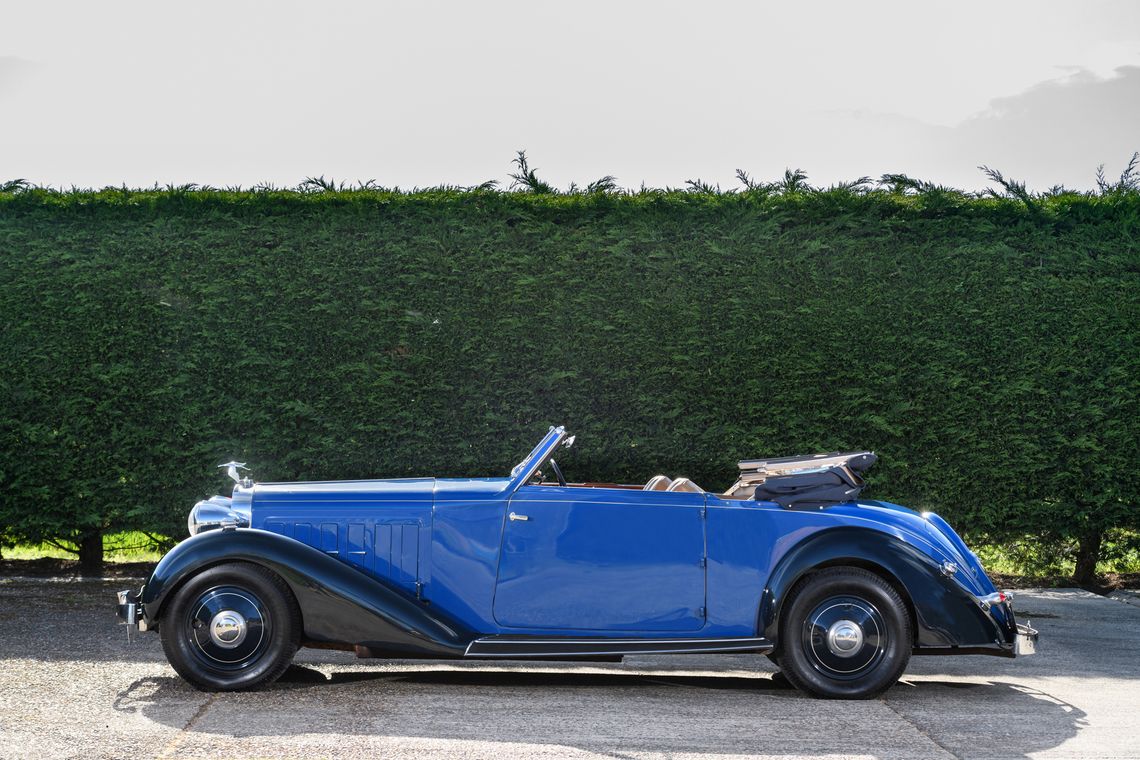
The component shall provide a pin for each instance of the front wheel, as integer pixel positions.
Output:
(231, 627)
(845, 633)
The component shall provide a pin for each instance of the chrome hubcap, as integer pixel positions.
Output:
(844, 638)
(228, 629)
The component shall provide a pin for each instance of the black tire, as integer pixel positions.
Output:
(231, 627)
(845, 633)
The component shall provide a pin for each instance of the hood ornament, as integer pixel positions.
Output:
(232, 469)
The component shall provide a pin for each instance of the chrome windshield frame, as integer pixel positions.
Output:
(522, 472)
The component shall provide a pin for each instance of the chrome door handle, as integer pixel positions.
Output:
(514, 516)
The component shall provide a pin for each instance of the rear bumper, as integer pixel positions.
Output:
(1026, 641)
(1008, 638)
(1022, 638)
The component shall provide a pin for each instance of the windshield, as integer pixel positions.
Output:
(544, 447)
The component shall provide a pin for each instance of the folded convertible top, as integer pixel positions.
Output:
(804, 482)
(856, 460)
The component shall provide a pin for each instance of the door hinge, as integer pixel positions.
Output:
(700, 612)
(704, 562)
(419, 590)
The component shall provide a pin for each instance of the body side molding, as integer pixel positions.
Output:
(541, 647)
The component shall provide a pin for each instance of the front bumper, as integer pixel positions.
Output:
(130, 611)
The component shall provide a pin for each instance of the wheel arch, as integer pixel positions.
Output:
(338, 604)
(189, 573)
(861, 563)
(943, 614)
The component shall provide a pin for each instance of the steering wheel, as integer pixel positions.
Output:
(557, 472)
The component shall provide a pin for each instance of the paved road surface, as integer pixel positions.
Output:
(70, 686)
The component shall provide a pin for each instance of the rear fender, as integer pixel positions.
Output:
(945, 615)
(339, 605)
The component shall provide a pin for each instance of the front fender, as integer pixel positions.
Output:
(338, 603)
(946, 615)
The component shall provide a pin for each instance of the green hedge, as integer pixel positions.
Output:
(987, 350)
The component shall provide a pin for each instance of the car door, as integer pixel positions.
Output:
(602, 560)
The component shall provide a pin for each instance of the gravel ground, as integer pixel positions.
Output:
(71, 686)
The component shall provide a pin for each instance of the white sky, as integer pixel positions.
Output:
(427, 93)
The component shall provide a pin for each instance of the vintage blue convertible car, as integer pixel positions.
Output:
(838, 591)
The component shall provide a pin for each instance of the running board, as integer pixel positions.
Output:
(536, 646)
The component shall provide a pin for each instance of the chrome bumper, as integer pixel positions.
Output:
(1026, 640)
(128, 607)
(130, 611)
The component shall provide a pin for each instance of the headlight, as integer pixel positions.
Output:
(217, 512)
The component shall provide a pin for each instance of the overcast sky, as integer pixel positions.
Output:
(422, 93)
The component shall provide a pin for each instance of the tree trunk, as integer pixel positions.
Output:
(1088, 552)
(91, 554)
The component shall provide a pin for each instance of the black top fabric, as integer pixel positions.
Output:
(814, 490)
(862, 463)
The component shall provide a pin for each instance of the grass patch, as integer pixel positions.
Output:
(130, 546)
(1030, 556)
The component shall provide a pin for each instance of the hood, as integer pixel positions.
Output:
(396, 489)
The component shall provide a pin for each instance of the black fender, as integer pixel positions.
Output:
(339, 604)
(946, 615)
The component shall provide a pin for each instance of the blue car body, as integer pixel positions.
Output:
(513, 567)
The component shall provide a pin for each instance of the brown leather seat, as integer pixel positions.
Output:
(658, 483)
(684, 484)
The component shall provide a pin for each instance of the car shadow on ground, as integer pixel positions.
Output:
(299, 676)
(620, 711)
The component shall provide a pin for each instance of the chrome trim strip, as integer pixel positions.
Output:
(507, 639)
(572, 647)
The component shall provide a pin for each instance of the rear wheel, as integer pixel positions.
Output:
(844, 634)
(233, 626)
